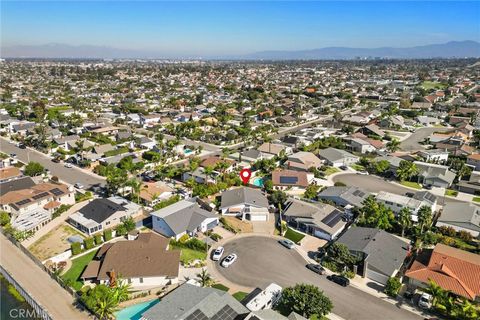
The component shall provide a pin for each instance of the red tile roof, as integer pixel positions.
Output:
(452, 269)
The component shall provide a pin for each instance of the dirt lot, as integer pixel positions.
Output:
(54, 242)
(243, 226)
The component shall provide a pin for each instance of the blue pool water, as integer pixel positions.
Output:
(258, 182)
(187, 151)
(135, 312)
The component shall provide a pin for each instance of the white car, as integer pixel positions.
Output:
(68, 165)
(217, 254)
(229, 260)
(289, 244)
(425, 301)
(365, 173)
(78, 185)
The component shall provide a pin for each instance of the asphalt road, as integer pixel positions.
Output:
(69, 175)
(412, 143)
(262, 261)
(375, 184)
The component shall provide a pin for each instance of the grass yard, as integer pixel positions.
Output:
(358, 167)
(451, 193)
(411, 184)
(54, 242)
(294, 235)
(428, 85)
(78, 265)
(331, 170)
(476, 199)
(220, 286)
(240, 295)
(239, 225)
(188, 255)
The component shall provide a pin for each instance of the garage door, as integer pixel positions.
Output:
(375, 276)
(258, 217)
(212, 224)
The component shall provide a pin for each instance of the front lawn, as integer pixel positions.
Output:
(411, 184)
(220, 286)
(188, 255)
(476, 199)
(358, 167)
(428, 85)
(79, 264)
(451, 193)
(294, 235)
(240, 295)
(331, 170)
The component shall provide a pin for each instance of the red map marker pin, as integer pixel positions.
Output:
(245, 175)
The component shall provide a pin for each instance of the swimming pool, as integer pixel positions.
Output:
(187, 151)
(135, 312)
(258, 182)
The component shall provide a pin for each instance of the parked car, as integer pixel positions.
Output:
(56, 160)
(409, 194)
(341, 280)
(217, 254)
(13, 155)
(229, 260)
(78, 185)
(425, 301)
(343, 168)
(363, 172)
(22, 146)
(287, 243)
(316, 268)
(68, 165)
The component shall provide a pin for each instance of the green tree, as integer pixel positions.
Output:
(4, 218)
(306, 300)
(393, 286)
(33, 169)
(129, 224)
(311, 191)
(393, 145)
(376, 215)
(278, 198)
(437, 292)
(404, 219)
(424, 218)
(205, 278)
(406, 170)
(341, 254)
(381, 166)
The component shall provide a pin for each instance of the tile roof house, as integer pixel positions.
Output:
(214, 162)
(382, 253)
(190, 302)
(246, 203)
(183, 217)
(152, 193)
(9, 173)
(273, 148)
(344, 196)
(452, 269)
(283, 179)
(103, 213)
(144, 262)
(337, 158)
(318, 219)
(303, 161)
(461, 216)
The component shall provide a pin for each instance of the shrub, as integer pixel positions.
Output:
(349, 274)
(393, 286)
(4, 218)
(196, 244)
(447, 231)
(215, 237)
(330, 265)
(121, 230)
(107, 234)
(98, 239)
(76, 248)
(184, 238)
(339, 184)
(88, 243)
(465, 235)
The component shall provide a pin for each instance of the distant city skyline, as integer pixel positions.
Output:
(236, 28)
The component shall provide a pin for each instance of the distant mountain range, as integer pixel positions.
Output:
(453, 49)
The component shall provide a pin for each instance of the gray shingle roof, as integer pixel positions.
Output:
(244, 195)
(188, 299)
(461, 214)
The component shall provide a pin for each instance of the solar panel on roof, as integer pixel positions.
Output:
(358, 193)
(57, 191)
(226, 313)
(20, 203)
(332, 219)
(288, 180)
(197, 315)
(41, 195)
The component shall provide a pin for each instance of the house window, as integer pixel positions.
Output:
(129, 280)
(141, 280)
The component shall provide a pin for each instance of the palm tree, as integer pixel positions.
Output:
(406, 170)
(205, 278)
(436, 291)
(80, 145)
(136, 186)
(120, 292)
(404, 219)
(424, 217)
(468, 310)
(106, 307)
(393, 145)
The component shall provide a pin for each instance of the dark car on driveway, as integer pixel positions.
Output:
(316, 268)
(341, 280)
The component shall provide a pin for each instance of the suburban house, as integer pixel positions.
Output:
(380, 253)
(473, 160)
(216, 163)
(472, 185)
(245, 203)
(434, 174)
(454, 270)
(461, 216)
(344, 196)
(337, 158)
(397, 202)
(31, 205)
(439, 156)
(144, 263)
(183, 217)
(274, 149)
(152, 193)
(303, 161)
(318, 219)
(373, 129)
(103, 213)
(9, 173)
(193, 302)
(284, 179)
(199, 176)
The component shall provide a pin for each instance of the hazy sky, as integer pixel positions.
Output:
(226, 27)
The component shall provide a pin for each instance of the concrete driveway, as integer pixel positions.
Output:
(262, 260)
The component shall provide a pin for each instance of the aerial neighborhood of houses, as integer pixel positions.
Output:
(122, 183)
